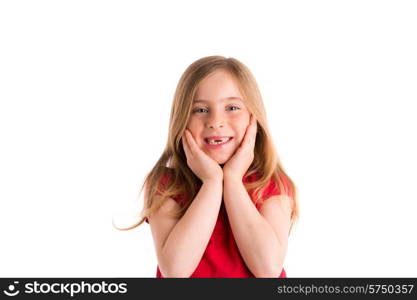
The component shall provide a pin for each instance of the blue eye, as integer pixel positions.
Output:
(198, 110)
(235, 107)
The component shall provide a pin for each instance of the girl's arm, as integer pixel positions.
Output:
(261, 236)
(180, 244)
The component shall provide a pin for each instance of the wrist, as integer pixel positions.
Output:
(215, 180)
(229, 177)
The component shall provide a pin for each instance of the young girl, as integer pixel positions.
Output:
(218, 201)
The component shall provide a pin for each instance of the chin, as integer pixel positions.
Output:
(221, 160)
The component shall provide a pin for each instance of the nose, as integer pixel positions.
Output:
(215, 120)
(216, 125)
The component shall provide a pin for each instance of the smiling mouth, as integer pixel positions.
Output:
(217, 141)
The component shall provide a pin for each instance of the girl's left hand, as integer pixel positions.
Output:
(240, 162)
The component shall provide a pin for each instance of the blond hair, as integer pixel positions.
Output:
(173, 161)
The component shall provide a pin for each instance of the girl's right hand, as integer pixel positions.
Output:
(199, 162)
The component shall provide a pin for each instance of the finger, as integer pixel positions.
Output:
(249, 133)
(254, 130)
(254, 121)
(191, 142)
(245, 142)
(185, 146)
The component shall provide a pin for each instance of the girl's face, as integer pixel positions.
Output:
(219, 117)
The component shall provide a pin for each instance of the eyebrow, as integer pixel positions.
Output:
(224, 99)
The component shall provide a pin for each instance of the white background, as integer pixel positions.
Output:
(86, 89)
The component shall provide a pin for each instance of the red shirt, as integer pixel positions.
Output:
(222, 257)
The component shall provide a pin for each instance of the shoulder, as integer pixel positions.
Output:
(170, 204)
(164, 183)
(277, 201)
(270, 188)
(273, 188)
(166, 176)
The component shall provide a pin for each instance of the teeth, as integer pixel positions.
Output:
(217, 141)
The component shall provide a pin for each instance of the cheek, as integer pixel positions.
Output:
(241, 127)
(195, 128)
(241, 135)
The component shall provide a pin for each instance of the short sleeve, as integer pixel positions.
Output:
(163, 183)
(272, 189)
(176, 198)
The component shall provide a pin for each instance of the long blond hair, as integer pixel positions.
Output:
(173, 161)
